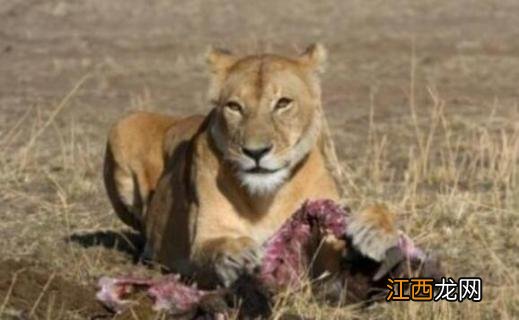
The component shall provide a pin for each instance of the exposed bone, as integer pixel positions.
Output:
(113, 291)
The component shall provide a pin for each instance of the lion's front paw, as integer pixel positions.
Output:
(230, 265)
(373, 231)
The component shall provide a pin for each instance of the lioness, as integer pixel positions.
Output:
(207, 191)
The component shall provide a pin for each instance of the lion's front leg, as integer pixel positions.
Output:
(230, 257)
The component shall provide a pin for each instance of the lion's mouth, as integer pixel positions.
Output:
(261, 170)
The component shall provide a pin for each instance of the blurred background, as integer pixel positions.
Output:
(422, 98)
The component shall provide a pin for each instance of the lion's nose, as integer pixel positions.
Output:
(256, 153)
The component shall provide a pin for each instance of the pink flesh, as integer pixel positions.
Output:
(411, 251)
(113, 291)
(284, 262)
(168, 293)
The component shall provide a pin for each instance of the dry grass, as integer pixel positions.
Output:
(455, 187)
(456, 190)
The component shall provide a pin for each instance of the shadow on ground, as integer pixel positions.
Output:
(128, 242)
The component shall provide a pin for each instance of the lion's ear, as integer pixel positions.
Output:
(219, 60)
(314, 57)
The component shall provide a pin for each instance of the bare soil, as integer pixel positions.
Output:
(35, 291)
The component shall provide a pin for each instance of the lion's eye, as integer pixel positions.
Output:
(234, 106)
(283, 103)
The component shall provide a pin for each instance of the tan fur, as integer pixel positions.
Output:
(373, 231)
(208, 207)
(137, 148)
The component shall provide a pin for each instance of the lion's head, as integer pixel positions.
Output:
(267, 113)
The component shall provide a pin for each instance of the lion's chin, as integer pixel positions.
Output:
(263, 183)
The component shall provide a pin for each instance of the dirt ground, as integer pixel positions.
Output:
(422, 97)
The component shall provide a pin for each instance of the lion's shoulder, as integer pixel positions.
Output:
(181, 132)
